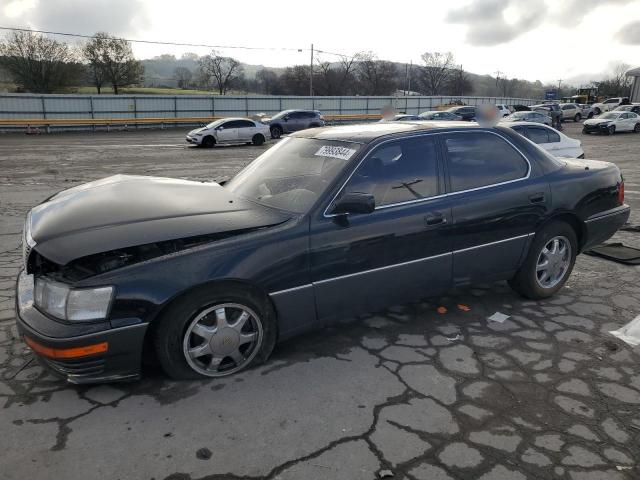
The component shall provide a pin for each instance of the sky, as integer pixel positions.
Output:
(547, 40)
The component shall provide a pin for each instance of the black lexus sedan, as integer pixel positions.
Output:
(327, 223)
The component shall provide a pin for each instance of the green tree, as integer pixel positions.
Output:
(111, 60)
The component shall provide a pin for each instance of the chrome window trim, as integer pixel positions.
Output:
(442, 195)
(401, 264)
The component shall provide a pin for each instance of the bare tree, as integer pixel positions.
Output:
(183, 77)
(295, 80)
(617, 84)
(376, 77)
(37, 63)
(114, 58)
(268, 81)
(436, 71)
(223, 70)
(459, 83)
(93, 52)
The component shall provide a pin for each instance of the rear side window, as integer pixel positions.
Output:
(478, 159)
(398, 171)
(538, 135)
(553, 136)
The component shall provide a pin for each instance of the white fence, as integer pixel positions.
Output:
(29, 106)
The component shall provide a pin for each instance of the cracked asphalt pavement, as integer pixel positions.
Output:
(425, 391)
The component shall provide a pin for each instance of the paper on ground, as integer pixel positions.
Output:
(498, 317)
(630, 333)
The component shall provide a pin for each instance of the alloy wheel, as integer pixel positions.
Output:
(222, 339)
(553, 262)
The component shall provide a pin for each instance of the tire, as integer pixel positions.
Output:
(590, 115)
(257, 139)
(276, 132)
(208, 142)
(636, 129)
(584, 131)
(597, 111)
(527, 282)
(175, 336)
(577, 118)
(611, 130)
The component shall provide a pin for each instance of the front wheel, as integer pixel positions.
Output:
(597, 111)
(276, 132)
(585, 131)
(215, 333)
(208, 142)
(549, 262)
(637, 128)
(611, 130)
(577, 117)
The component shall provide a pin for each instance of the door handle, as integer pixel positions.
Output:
(435, 219)
(537, 198)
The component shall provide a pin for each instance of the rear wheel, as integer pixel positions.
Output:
(590, 115)
(208, 142)
(597, 111)
(211, 333)
(276, 132)
(637, 128)
(577, 117)
(549, 262)
(257, 140)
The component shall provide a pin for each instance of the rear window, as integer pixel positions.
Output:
(479, 159)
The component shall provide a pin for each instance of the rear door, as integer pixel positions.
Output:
(496, 204)
(402, 250)
(246, 130)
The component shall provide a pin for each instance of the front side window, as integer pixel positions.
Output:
(398, 171)
(479, 159)
(294, 173)
(554, 137)
(613, 100)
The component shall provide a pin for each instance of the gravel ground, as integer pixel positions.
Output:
(408, 392)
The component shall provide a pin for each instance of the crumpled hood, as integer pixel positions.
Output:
(197, 130)
(123, 211)
(598, 121)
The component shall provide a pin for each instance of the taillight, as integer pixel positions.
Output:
(621, 193)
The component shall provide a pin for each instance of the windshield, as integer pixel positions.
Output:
(216, 123)
(293, 174)
(610, 115)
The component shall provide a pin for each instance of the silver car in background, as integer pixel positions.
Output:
(536, 117)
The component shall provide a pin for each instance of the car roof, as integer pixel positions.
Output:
(368, 132)
(523, 123)
(226, 119)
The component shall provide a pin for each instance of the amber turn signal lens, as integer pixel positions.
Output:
(76, 352)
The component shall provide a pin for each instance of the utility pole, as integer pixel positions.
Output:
(559, 83)
(409, 80)
(311, 73)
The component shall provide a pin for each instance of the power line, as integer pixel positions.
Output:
(157, 42)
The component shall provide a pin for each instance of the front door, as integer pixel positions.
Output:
(227, 132)
(401, 251)
(496, 204)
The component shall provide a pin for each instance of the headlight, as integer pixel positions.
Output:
(74, 305)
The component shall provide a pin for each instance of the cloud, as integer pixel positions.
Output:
(493, 22)
(629, 34)
(487, 20)
(118, 17)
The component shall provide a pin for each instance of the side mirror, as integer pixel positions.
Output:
(286, 119)
(220, 128)
(355, 203)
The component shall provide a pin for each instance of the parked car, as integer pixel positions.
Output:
(586, 109)
(465, 112)
(634, 107)
(289, 121)
(571, 111)
(521, 108)
(401, 117)
(612, 122)
(609, 104)
(439, 115)
(229, 131)
(326, 224)
(503, 110)
(523, 116)
(554, 142)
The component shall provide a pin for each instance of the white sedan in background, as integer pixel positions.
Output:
(612, 122)
(229, 131)
(554, 142)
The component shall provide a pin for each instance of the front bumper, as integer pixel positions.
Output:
(194, 140)
(604, 225)
(55, 342)
(600, 127)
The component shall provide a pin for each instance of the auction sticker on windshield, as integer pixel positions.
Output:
(343, 153)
